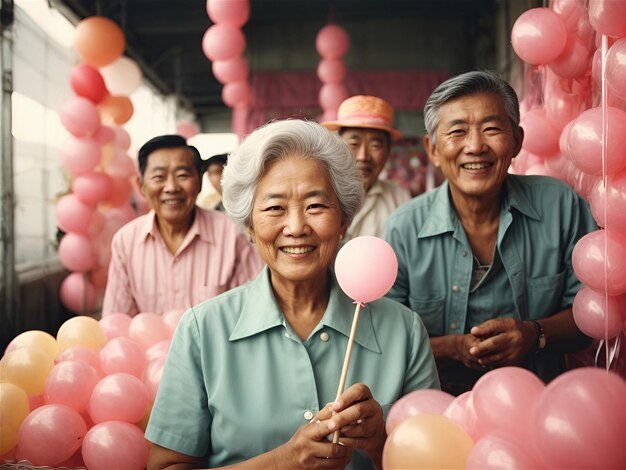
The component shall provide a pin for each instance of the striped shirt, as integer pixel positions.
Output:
(144, 276)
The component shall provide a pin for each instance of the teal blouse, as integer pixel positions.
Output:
(239, 381)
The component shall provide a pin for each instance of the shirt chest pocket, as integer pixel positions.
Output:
(431, 311)
(544, 295)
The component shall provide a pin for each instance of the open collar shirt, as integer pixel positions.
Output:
(249, 381)
(145, 276)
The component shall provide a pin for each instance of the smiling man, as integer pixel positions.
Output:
(178, 254)
(485, 259)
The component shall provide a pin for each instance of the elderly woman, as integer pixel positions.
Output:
(252, 374)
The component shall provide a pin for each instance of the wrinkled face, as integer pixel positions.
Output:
(215, 176)
(296, 220)
(370, 147)
(474, 145)
(171, 184)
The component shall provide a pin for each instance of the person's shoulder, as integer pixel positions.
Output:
(133, 228)
(415, 209)
(214, 220)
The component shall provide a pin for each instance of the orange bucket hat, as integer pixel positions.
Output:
(368, 112)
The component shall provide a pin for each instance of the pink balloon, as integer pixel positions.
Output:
(76, 252)
(416, 402)
(122, 138)
(232, 12)
(579, 420)
(570, 12)
(187, 128)
(120, 397)
(608, 202)
(51, 434)
(582, 183)
(81, 354)
(80, 155)
(171, 319)
(230, 70)
(607, 17)
(538, 36)
(537, 169)
(36, 401)
(563, 140)
(122, 354)
(500, 451)
(236, 93)
(557, 166)
(87, 82)
(120, 194)
(147, 329)
(366, 268)
(585, 141)
(331, 71)
(115, 324)
(120, 166)
(616, 68)
(562, 106)
(591, 260)
(332, 42)
(540, 136)
(154, 372)
(77, 293)
(104, 135)
(92, 187)
(157, 350)
(71, 383)
(599, 315)
(73, 215)
(331, 95)
(80, 117)
(115, 444)
(456, 409)
(503, 399)
(574, 61)
(223, 42)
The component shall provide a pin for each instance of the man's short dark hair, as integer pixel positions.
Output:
(168, 141)
(219, 159)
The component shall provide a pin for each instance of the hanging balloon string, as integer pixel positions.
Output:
(612, 351)
(605, 45)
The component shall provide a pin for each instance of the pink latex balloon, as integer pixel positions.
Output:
(51, 434)
(92, 187)
(563, 140)
(331, 95)
(503, 398)
(570, 12)
(366, 268)
(76, 252)
(616, 68)
(331, 71)
(332, 42)
(121, 166)
(232, 12)
(582, 183)
(154, 372)
(598, 315)
(77, 293)
(236, 93)
(80, 117)
(416, 402)
(562, 106)
(71, 383)
(171, 319)
(73, 215)
(120, 194)
(223, 42)
(115, 324)
(537, 169)
(122, 354)
(585, 141)
(157, 350)
(36, 401)
(574, 61)
(187, 128)
(104, 135)
(591, 260)
(557, 166)
(607, 17)
(500, 451)
(538, 36)
(121, 397)
(147, 329)
(608, 203)
(115, 444)
(456, 409)
(81, 354)
(122, 138)
(579, 420)
(540, 136)
(230, 70)
(80, 155)
(87, 82)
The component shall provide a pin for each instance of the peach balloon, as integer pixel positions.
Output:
(78, 295)
(116, 109)
(81, 331)
(76, 253)
(147, 329)
(98, 41)
(27, 368)
(35, 339)
(416, 402)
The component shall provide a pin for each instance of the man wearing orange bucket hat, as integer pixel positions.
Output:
(365, 124)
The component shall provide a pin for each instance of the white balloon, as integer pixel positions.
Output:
(122, 77)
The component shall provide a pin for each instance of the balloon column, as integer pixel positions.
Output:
(223, 44)
(83, 398)
(95, 158)
(332, 43)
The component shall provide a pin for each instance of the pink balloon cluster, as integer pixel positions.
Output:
(332, 43)
(96, 159)
(574, 118)
(512, 420)
(83, 398)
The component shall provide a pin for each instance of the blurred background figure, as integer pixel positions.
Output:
(215, 168)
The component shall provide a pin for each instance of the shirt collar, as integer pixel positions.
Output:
(261, 312)
(150, 227)
(514, 196)
(377, 188)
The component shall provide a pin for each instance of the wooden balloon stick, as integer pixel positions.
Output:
(346, 361)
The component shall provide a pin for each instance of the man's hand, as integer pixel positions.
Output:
(502, 342)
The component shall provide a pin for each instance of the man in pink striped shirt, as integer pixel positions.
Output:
(178, 254)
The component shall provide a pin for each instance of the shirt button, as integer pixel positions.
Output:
(453, 325)
(308, 415)
(464, 254)
(456, 288)
(324, 336)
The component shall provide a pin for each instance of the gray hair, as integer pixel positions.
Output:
(469, 83)
(281, 139)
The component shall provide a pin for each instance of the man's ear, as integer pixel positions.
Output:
(140, 185)
(431, 150)
(519, 139)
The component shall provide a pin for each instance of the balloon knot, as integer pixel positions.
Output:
(357, 302)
